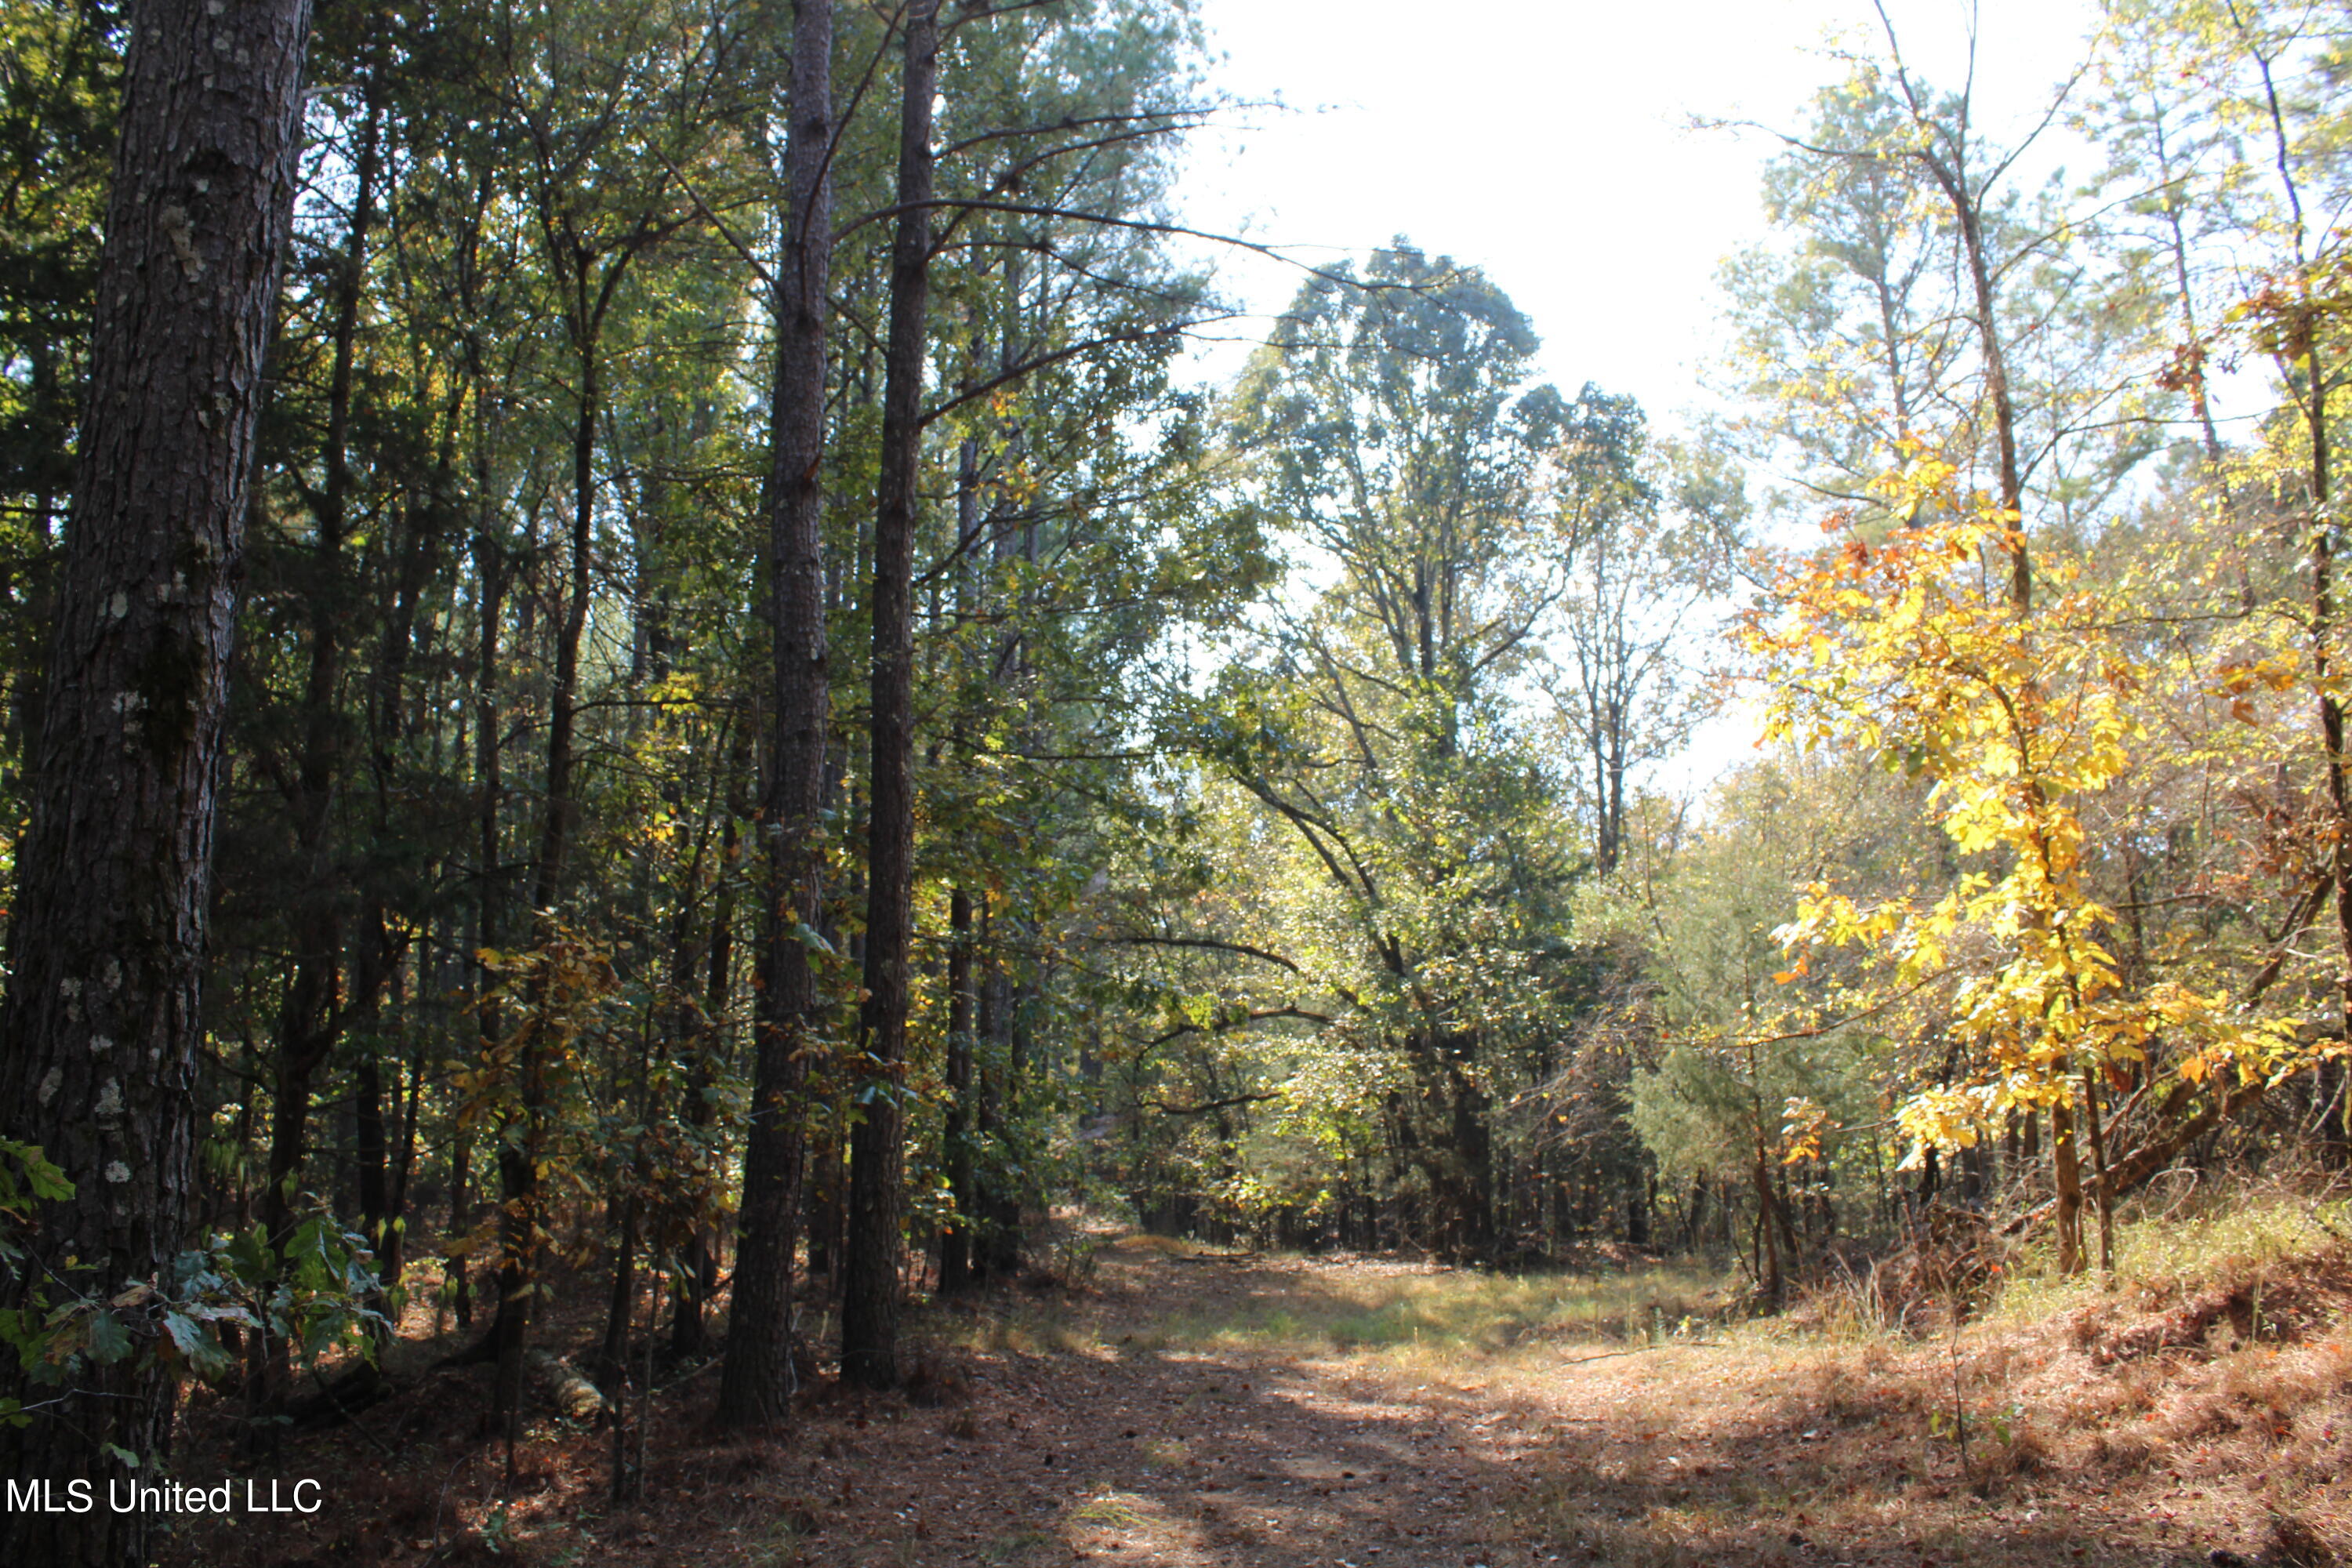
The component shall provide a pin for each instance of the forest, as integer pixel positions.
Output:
(676, 788)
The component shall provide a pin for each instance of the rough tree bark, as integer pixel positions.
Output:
(869, 1292)
(102, 1018)
(757, 1385)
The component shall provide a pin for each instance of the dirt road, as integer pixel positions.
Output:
(1191, 1410)
(1082, 1434)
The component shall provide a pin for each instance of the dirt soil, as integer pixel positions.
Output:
(1064, 1426)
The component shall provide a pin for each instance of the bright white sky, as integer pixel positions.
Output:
(1547, 143)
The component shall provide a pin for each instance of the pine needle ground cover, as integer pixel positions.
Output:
(1201, 1409)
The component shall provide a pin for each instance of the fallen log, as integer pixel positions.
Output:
(579, 1399)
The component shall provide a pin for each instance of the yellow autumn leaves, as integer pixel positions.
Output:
(1912, 645)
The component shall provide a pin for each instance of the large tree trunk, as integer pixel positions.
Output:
(102, 1019)
(757, 1385)
(2067, 1172)
(869, 1295)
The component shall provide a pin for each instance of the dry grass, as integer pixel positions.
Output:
(1192, 1409)
(1338, 1307)
(2198, 1402)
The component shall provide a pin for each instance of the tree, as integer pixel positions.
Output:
(313, 1013)
(58, 132)
(1904, 648)
(758, 1383)
(1730, 1101)
(1389, 428)
(1642, 562)
(103, 1010)
(869, 1310)
(1845, 346)
(1927, 302)
(605, 172)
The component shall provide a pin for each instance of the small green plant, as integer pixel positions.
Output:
(1110, 1509)
(314, 1292)
(1075, 1257)
(26, 1177)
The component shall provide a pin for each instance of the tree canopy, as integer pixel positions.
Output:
(762, 742)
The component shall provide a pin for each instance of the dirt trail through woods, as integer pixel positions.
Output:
(1199, 1411)
(1115, 1446)
(1142, 1435)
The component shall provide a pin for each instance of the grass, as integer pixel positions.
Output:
(2230, 1236)
(1299, 1306)
(1109, 1508)
(2199, 1397)
(1439, 1313)
(1027, 1330)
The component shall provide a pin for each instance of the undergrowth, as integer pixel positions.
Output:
(2186, 1245)
(1970, 1403)
(2195, 1399)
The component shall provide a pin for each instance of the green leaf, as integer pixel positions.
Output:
(109, 1341)
(195, 1341)
(46, 1181)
